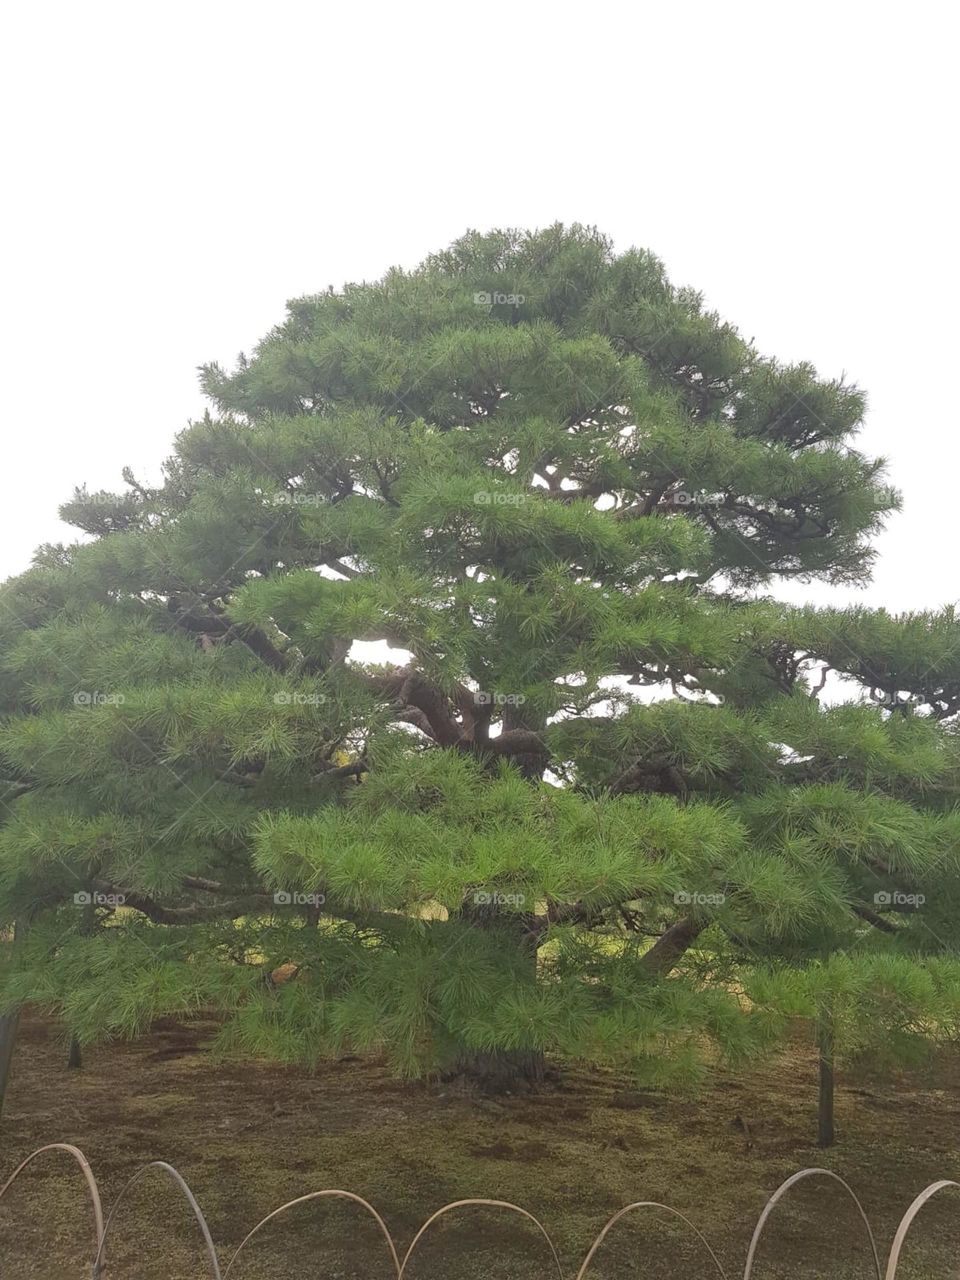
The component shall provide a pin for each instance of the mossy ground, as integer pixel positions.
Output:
(248, 1137)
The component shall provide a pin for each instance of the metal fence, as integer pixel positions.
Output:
(101, 1225)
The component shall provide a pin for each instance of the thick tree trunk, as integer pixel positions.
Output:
(825, 1132)
(74, 1056)
(502, 1070)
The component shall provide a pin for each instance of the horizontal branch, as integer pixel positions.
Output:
(662, 957)
(196, 913)
(873, 918)
(353, 769)
(199, 618)
(231, 908)
(517, 742)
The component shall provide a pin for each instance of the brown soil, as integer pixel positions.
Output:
(248, 1137)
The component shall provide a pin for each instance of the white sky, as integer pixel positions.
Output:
(176, 172)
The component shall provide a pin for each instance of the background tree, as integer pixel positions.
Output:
(591, 799)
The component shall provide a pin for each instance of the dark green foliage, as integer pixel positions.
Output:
(595, 808)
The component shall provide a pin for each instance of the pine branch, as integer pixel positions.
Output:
(871, 917)
(670, 948)
(517, 742)
(340, 567)
(354, 769)
(196, 913)
(196, 617)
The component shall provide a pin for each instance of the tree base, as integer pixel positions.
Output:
(8, 1038)
(825, 1131)
(503, 1071)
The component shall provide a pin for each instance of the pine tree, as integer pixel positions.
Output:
(591, 805)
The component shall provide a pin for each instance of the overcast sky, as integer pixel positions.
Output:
(176, 172)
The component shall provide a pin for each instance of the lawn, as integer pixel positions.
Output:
(249, 1136)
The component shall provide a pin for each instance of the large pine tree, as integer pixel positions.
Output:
(589, 803)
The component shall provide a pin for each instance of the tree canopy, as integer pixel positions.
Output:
(591, 802)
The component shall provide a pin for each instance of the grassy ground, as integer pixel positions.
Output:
(246, 1138)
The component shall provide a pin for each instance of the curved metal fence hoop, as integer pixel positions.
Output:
(782, 1190)
(907, 1221)
(191, 1200)
(316, 1195)
(90, 1180)
(103, 1228)
(647, 1204)
(490, 1204)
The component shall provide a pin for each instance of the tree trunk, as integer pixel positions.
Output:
(9, 1023)
(8, 1038)
(825, 1132)
(88, 926)
(502, 1070)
